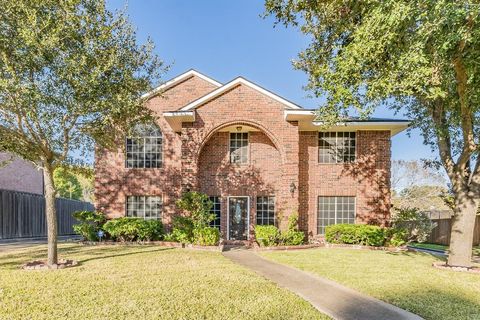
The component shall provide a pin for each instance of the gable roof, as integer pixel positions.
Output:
(235, 82)
(188, 74)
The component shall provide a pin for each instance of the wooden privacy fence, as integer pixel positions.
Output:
(22, 215)
(441, 233)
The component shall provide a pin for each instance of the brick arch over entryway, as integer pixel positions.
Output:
(248, 123)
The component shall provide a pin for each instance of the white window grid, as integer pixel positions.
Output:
(145, 150)
(216, 209)
(334, 210)
(145, 207)
(239, 147)
(336, 147)
(266, 210)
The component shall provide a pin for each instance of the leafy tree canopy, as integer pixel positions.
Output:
(419, 57)
(67, 184)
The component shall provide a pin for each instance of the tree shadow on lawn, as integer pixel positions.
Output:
(15, 259)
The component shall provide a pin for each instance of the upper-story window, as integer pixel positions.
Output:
(144, 148)
(239, 147)
(336, 147)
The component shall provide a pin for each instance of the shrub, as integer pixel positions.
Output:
(292, 238)
(130, 229)
(207, 236)
(360, 234)
(198, 206)
(397, 237)
(267, 235)
(182, 230)
(90, 222)
(415, 223)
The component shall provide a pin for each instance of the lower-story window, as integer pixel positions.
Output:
(215, 210)
(334, 210)
(145, 207)
(266, 211)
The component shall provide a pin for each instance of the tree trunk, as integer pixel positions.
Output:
(461, 237)
(51, 214)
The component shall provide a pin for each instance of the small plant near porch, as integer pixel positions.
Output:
(194, 227)
(269, 235)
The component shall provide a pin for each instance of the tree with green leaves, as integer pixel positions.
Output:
(67, 184)
(420, 57)
(72, 74)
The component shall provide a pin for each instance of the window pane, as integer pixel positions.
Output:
(146, 207)
(215, 210)
(336, 147)
(239, 147)
(266, 210)
(145, 149)
(334, 210)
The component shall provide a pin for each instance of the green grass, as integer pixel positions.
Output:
(141, 282)
(475, 250)
(405, 279)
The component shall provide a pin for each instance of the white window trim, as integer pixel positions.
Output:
(162, 149)
(228, 215)
(336, 137)
(248, 149)
(274, 208)
(354, 209)
(160, 218)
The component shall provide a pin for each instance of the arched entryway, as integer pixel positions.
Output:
(240, 167)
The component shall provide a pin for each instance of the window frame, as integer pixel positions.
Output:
(263, 217)
(214, 210)
(336, 144)
(354, 198)
(143, 143)
(159, 215)
(230, 148)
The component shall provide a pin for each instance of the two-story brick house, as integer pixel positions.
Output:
(257, 155)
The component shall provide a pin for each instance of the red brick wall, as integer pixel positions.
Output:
(197, 159)
(368, 178)
(218, 177)
(114, 182)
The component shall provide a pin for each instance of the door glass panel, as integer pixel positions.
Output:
(238, 218)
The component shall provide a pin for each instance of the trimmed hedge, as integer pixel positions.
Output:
(207, 236)
(132, 229)
(90, 222)
(360, 234)
(267, 236)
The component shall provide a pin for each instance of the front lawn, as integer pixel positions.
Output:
(405, 279)
(141, 282)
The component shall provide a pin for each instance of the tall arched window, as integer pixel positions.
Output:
(144, 148)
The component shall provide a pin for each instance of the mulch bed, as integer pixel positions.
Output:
(442, 265)
(167, 244)
(42, 265)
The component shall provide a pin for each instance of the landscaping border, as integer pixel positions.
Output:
(289, 248)
(362, 247)
(168, 244)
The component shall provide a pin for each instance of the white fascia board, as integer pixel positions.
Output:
(232, 84)
(292, 115)
(183, 76)
(185, 115)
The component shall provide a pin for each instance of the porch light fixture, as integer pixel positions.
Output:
(293, 187)
(239, 128)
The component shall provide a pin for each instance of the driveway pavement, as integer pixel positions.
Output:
(329, 297)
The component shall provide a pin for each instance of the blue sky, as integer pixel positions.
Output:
(225, 39)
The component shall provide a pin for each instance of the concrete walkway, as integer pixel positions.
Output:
(329, 297)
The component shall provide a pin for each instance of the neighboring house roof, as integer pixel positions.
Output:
(235, 82)
(19, 175)
(188, 74)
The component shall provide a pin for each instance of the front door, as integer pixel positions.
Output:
(238, 210)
